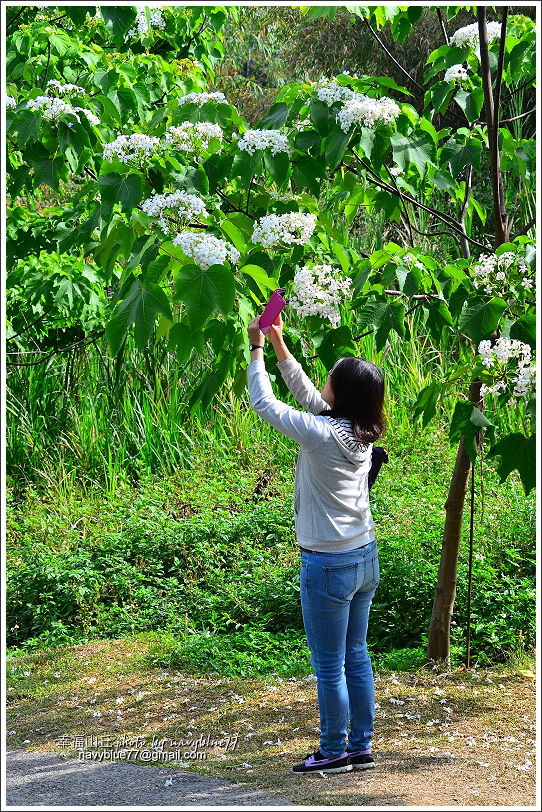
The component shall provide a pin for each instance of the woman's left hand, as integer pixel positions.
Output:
(254, 333)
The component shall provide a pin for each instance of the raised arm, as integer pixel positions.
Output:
(295, 378)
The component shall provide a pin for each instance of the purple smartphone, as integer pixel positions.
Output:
(272, 309)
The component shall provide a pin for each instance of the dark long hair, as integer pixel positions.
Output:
(358, 387)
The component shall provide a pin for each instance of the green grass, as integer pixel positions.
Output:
(208, 558)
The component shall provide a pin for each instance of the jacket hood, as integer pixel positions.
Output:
(352, 448)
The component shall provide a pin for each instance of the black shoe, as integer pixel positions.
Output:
(317, 763)
(360, 760)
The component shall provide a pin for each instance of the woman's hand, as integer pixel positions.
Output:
(254, 333)
(275, 331)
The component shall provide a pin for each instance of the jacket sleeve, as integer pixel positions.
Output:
(301, 386)
(304, 428)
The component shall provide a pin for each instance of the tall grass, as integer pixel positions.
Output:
(103, 435)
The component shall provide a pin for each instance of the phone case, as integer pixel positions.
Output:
(272, 309)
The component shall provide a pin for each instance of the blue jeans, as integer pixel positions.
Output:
(336, 594)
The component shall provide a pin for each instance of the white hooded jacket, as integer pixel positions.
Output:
(331, 503)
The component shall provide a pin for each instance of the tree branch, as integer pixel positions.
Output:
(500, 66)
(391, 56)
(501, 219)
(443, 27)
(526, 228)
(47, 66)
(522, 115)
(445, 218)
(12, 20)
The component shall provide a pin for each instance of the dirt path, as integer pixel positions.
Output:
(47, 779)
(443, 740)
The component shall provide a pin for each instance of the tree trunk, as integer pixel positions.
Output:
(438, 648)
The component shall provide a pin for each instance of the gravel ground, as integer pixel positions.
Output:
(46, 779)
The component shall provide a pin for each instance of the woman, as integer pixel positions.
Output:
(334, 529)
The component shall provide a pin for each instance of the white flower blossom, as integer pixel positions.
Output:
(205, 249)
(469, 37)
(329, 91)
(52, 108)
(318, 291)
(141, 24)
(91, 117)
(369, 112)
(202, 98)
(128, 148)
(395, 170)
(499, 274)
(180, 207)
(264, 139)
(193, 138)
(284, 229)
(65, 89)
(500, 359)
(456, 73)
(10, 102)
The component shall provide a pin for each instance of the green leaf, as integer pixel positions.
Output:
(277, 166)
(139, 308)
(425, 405)
(417, 148)
(127, 191)
(118, 19)
(204, 292)
(471, 103)
(467, 421)
(517, 453)
(335, 146)
(180, 341)
(334, 345)
(233, 234)
(50, 171)
(260, 276)
(384, 317)
(461, 155)
(196, 181)
(27, 124)
(524, 329)
(342, 255)
(275, 117)
(480, 317)
(323, 11)
(321, 116)
(78, 14)
(440, 94)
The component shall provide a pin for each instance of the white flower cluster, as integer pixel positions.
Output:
(456, 73)
(498, 358)
(318, 291)
(496, 273)
(202, 98)
(205, 249)
(10, 102)
(142, 26)
(264, 139)
(65, 90)
(193, 138)
(329, 92)
(131, 148)
(468, 36)
(180, 207)
(361, 109)
(395, 170)
(284, 229)
(52, 108)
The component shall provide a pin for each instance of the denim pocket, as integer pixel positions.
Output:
(342, 580)
(375, 568)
